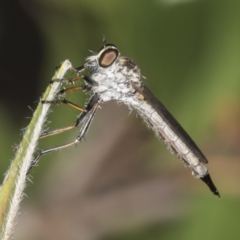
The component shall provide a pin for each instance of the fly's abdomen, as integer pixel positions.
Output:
(171, 139)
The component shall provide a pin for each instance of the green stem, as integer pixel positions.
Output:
(11, 191)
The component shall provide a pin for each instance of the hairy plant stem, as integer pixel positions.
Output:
(11, 191)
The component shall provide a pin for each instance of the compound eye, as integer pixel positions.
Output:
(108, 57)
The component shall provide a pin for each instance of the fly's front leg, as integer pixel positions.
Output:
(85, 78)
(68, 81)
(84, 120)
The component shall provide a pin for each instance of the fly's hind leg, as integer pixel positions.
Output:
(84, 120)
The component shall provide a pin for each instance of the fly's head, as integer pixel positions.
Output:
(104, 61)
(108, 60)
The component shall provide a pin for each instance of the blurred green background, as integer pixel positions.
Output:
(121, 183)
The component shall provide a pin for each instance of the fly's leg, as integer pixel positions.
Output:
(56, 131)
(60, 130)
(80, 136)
(87, 79)
(68, 81)
(84, 120)
(65, 101)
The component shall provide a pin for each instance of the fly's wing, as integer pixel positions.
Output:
(171, 121)
(85, 119)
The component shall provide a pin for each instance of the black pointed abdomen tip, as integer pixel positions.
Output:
(207, 179)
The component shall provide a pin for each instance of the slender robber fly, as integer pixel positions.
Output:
(114, 77)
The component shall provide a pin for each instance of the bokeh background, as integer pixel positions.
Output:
(121, 182)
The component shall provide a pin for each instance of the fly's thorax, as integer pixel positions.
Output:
(112, 86)
(114, 82)
(130, 69)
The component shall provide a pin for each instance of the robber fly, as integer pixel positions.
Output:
(114, 77)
